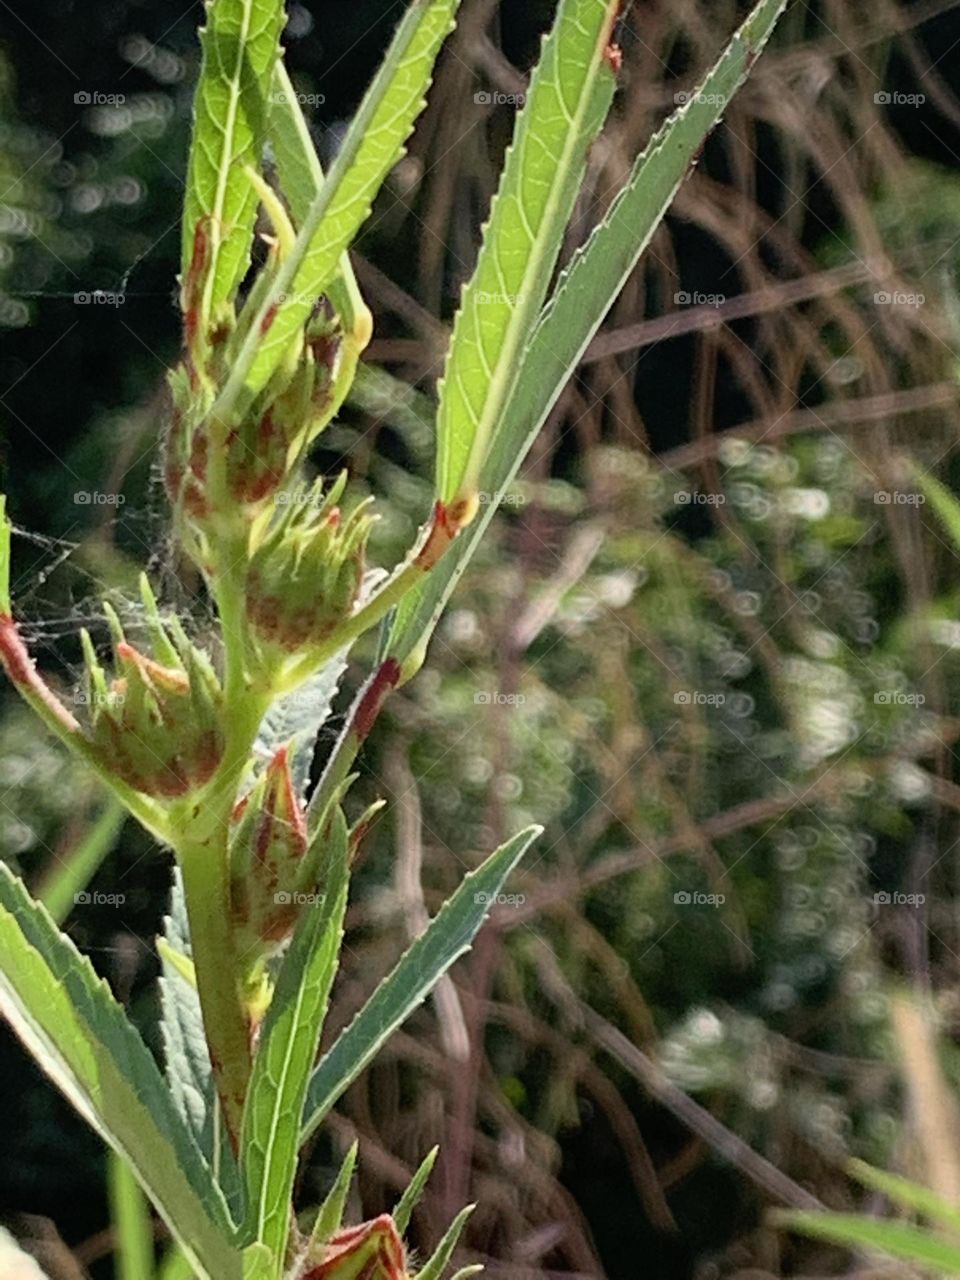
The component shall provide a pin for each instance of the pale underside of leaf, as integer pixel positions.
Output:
(186, 1055)
(82, 1039)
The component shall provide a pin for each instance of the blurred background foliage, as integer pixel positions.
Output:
(712, 641)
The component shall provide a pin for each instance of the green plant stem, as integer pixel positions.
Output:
(130, 1218)
(203, 847)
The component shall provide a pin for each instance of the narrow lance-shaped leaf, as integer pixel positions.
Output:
(567, 102)
(81, 1037)
(414, 1192)
(911, 1195)
(240, 47)
(330, 1214)
(435, 1266)
(373, 144)
(288, 1047)
(586, 291)
(448, 935)
(898, 1239)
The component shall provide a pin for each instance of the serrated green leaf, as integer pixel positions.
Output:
(373, 144)
(414, 1192)
(80, 1036)
(569, 96)
(330, 1214)
(240, 47)
(436, 1264)
(296, 718)
(288, 1048)
(186, 1055)
(448, 935)
(586, 291)
(895, 1238)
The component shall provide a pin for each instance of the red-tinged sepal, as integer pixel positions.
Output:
(371, 1251)
(157, 723)
(306, 575)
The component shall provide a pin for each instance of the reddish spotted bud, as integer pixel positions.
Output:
(370, 1251)
(157, 724)
(274, 863)
(268, 851)
(305, 577)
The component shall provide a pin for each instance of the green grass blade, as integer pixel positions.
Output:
(73, 873)
(288, 1048)
(945, 504)
(130, 1220)
(585, 292)
(907, 1194)
(240, 47)
(567, 102)
(372, 146)
(448, 935)
(80, 1036)
(898, 1239)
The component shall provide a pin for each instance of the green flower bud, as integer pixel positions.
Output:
(305, 577)
(370, 1251)
(157, 724)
